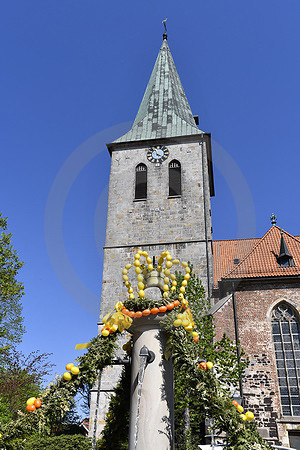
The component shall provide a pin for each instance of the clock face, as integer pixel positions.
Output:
(158, 153)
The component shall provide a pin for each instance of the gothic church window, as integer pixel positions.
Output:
(286, 336)
(174, 178)
(141, 182)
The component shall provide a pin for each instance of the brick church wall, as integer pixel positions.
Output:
(254, 304)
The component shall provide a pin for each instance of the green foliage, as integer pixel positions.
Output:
(5, 415)
(36, 442)
(11, 291)
(21, 377)
(200, 393)
(139, 304)
(117, 425)
(58, 398)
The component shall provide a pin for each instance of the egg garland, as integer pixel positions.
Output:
(33, 403)
(247, 416)
(67, 376)
(120, 318)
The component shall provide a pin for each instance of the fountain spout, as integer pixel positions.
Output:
(147, 354)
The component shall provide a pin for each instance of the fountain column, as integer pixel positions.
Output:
(152, 401)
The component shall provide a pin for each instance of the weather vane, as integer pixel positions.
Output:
(165, 27)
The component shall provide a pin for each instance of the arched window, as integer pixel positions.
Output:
(286, 336)
(141, 181)
(174, 178)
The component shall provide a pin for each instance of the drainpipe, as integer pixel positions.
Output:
(236, 331)
(205, 221)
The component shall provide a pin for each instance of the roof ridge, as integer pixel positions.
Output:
(237, 239)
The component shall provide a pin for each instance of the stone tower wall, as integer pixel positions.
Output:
(158, 223)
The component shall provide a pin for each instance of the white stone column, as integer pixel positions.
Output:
(156, 413)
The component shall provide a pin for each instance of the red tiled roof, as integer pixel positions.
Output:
(257, 256)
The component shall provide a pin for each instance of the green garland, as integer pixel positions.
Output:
(58, 397)
(203, 394)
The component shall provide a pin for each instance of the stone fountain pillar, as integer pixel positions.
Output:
(151, 415)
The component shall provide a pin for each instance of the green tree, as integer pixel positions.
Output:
(11, 291)
(21, 377)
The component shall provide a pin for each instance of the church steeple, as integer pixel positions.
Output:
(164, 111)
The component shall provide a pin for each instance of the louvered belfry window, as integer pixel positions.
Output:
(141, 181)
(286, 336)
(174, 178)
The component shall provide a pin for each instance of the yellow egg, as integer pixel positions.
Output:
(173, 288)
(69, 366)
(184, 283)
(165, 287)
(187, 269)
(189, 327)
(249, 415)
(174, 283)
(184, 264)
(137, 256)
(169, 258)
(165, 294)
(145, 254)
(180, 316)
(130, 290)
(75, 370)
(127, 284)
(140, 252)
(141, 285)
(140, 277)
(31, 401)
(182, 289)
(166, 280)
(185, 322)
(187, 276)
(125, 277)
(194, 334)
(131, 296)
(184, 303)
(159, 268)
(67, 376)
(105, 332)
(240, 409)
(243, 417)
(149, 260)
(209, 365)
(137, 263)
(150, 267)
(137, 270)
(141, 294)
(128, 266)
(114, 328)
(176, 261)
(160, 260)
(172, 276)
(169, 264)
(124, 271)
(177, 323)
(167, 272)
(180, 296)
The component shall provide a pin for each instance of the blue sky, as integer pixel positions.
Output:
(73, 75)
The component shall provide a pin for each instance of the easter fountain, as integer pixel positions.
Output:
(152, 397)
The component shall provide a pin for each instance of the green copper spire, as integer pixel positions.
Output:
(164, 111)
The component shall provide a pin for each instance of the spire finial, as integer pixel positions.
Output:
(273, 219)
(165, 35)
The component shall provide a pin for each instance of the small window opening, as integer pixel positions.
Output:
(141, 182)
(174, 178)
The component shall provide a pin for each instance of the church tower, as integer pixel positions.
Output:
(160, 184)
(161, 180)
